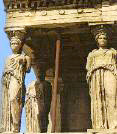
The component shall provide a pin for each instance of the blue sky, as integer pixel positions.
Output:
(5, 51)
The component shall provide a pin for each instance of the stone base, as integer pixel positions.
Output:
(10, 133)
(60, 133)
(46, 133)
(102, 131)
(89, 131)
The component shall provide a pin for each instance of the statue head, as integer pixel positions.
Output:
(102, 39)
(102, 34)
(16, 44)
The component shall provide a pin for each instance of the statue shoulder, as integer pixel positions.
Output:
(31, 85)
(113, 50)
(7, 60)
(27, 57)
(9, 57)
(31, 88)
(92, 53)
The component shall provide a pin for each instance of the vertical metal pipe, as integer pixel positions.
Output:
(54, 94)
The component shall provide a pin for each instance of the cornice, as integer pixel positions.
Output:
(49, 4)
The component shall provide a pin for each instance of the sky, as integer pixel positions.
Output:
(6, 51)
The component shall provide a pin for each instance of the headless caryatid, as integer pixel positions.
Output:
(38, 103)
(15, 70)
(102, 78)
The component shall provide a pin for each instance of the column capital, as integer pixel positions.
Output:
(16, 32)
(96, 30)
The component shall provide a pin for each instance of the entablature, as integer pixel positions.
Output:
(61, 17)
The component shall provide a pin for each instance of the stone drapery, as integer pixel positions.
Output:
(102, 78)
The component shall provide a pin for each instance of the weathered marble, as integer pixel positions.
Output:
(16, 67)
(71, 20)
(38, 103)
(102, 79)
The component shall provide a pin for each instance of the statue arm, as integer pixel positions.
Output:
(6, 65)
(115, 54)
(28, 65)
(89, 65)
(89, 62)
(5, 76)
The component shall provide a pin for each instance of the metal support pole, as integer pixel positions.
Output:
(54, 94)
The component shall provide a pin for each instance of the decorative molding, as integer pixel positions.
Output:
(36, 4)
(52, 17)
(16, 33)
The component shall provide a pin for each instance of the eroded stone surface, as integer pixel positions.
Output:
(16, 67)
(102, 79)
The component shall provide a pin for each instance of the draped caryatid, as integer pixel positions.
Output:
(16, 67)
(102, 79)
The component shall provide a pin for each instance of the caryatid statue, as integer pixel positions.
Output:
(102, 79)
(38, 102)
(15, 70)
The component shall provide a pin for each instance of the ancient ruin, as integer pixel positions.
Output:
(71, 46)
